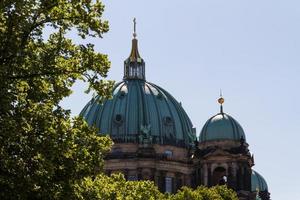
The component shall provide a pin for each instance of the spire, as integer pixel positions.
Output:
(134, 65)
(134, 28)
(134, 54)
(221, 101)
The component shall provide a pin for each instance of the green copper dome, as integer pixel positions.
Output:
(140, 109)
(221, 127)
(140, 112)
(258, 183)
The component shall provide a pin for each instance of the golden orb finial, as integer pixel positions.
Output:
(221, 101)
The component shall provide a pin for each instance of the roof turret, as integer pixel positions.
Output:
(134, 65)
(139, 111)
(221, 127)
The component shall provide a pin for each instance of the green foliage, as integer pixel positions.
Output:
(44, 154)
(42, 150)
(115, 187)
(225, 193)
(203, 193)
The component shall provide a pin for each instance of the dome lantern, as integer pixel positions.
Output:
(140, 112)
(134, 65)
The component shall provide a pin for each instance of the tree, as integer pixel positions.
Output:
(203, 193)
(43, 152)
(116, 187)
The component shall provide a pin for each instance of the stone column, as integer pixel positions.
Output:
(139, 174)
(187, 180)
(247, 179)
(232, 179)
(153, 170)
(161, 181)
(198, 177)
(209, 176)
(177, 181)
(156, 177)
(205, 174)
(125, 172)
(241, 177)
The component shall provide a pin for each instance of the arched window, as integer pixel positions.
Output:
(168, 153)
(219, 176)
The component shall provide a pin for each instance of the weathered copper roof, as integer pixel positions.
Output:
(139, 107)
(221, 127)
(258, 183)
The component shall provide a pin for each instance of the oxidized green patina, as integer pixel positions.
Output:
(258, 183)
(140, 112)
(221, 127)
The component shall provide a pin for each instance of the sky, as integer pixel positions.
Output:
(248, 48)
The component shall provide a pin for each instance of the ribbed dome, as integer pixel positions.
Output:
(258, 183)
(140, 108)
(221, 127)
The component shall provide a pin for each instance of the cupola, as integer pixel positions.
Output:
(221, 127)
(258, 183)
(140, 111)
(134, 65)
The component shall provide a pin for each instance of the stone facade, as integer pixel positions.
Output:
(225, 162)
(154, 138)
(170, 167)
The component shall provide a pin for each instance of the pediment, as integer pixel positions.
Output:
(218, 152)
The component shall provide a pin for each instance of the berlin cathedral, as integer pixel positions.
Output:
(154, 138)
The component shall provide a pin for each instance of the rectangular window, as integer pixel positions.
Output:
(132, 178)
(168, 182)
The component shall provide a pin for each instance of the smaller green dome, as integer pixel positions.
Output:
(258, 183)
(221, 127)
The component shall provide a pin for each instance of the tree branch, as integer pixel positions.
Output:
(34, 75)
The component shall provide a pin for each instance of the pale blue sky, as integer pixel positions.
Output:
(249, 48)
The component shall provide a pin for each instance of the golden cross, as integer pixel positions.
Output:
(134, 27)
